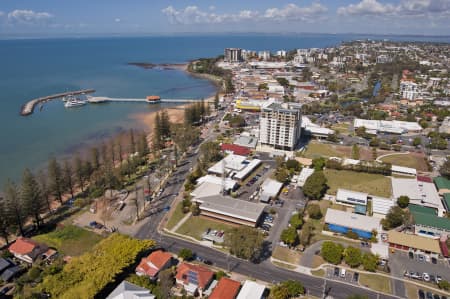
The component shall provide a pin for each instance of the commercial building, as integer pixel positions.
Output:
(401, 170)
(427, 223)
(420, 191)
(233, 55)
(231, 210)
(264, 55)
(126, 290)
(235, 149)
(315, 130)
(252, 290)
(410, 242)
(280, 125)
(235, 166)
(305, 173)
(351, 197)
(382, 205)
(442, 184)
(409, 90)
(386, 126)
(269, 190)
(342, 222)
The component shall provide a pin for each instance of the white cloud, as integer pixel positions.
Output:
(2, 13)
(292, 12)
(28, 17)
(404, 8)
(117, 20)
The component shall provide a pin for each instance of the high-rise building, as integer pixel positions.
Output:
(280, 125)
(233, 55)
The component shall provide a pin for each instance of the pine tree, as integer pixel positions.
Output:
(112, 152)
(43, 186)
(143, 146)
(216, 101)
(78, 165)
(5, 223)
(165, 124)
(120, 151)
(56, 179)
(31, 197)
(157, 132)
(132, 142)
(14, 207)
(95, 158)
(68, 177)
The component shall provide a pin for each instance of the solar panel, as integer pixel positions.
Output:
(192, 277)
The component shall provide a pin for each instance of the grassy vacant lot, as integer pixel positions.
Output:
(374, 184)
(70, 240)
(286, 254)
(316, 150)
(176, 216)
(376, 282)
(195, 226)
(343, 128)
(407, 160)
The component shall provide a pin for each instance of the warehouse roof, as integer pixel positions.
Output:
(431, 221)
(414, 241)
(350, 220)
(381, 205)
(442, 183)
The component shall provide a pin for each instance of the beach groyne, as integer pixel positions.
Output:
(28, 108)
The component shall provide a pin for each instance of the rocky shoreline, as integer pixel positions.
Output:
(161, 66)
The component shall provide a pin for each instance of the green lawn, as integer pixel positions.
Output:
(317, 150)
(70, 240)
(319, 273)
(374, 184)
(176, 216)
(195, 226)
(376, 282)
(286, 255)
(407, 160)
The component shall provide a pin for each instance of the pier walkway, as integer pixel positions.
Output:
(124, 100)
(28, 108)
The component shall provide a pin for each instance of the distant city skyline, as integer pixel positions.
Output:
(140, 17)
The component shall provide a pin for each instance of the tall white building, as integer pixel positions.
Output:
(280, 125)
(233, 55)
(409, 90)
(281, 53)
(264, 55)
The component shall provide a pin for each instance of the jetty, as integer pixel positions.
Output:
(28, 108)
(137, 100)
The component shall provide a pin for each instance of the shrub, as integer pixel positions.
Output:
(369, 262)
(332, 252)
(352, 256)
(351, 234)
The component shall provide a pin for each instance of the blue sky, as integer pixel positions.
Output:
(65, 17)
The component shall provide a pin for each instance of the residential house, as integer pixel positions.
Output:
(252, 290)
(226, 289)
(27, 250)
(127, 290)
(154, 263)
(195, 279)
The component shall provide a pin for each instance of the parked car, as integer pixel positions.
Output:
(355, 276)
(429, 295)
(436, 296)
(343, 272)
(421, 294)
(5, 290)
(336, 271)
(426, 277)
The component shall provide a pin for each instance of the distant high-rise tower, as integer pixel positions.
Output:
(233, 55)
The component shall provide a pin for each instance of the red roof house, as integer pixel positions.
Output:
(154, 263)
(27, 250)
(226, 289)
(194, 278)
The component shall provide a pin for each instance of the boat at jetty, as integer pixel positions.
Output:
(153, 99)
(73, 101)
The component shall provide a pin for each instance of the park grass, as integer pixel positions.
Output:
(283, 265)
(176, 216)
(374, 184)
(286, 255)
(70, 240)
(407, 160)
(195, 226)
(319, 273)
(343, 128)
(376, 282)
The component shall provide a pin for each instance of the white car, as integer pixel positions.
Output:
(426, 277)
(343, 272)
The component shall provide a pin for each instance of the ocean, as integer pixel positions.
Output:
(30, 68)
